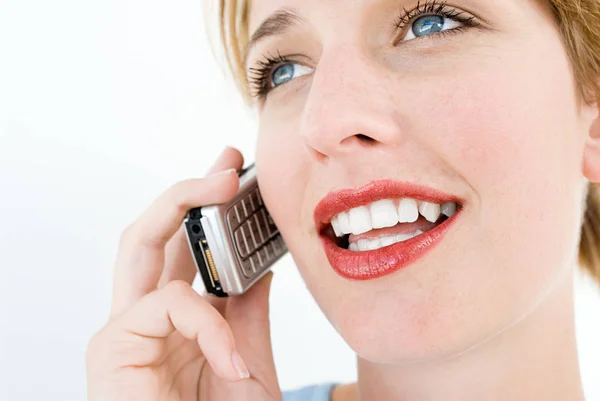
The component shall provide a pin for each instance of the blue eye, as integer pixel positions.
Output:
(282, 74)
(287, 72)
(429, 24)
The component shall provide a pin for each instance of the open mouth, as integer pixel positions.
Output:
(383, 226)
(386, 222)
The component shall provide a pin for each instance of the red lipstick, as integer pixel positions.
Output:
(379, 262)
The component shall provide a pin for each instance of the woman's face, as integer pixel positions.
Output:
(484, 114)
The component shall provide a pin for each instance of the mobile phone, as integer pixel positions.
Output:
(236, 243)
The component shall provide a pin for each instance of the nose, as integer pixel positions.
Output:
(350, 107)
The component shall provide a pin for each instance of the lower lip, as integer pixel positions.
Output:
(369, 265)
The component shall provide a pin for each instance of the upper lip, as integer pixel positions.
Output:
(340, 201)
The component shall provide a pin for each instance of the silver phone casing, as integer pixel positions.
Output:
(221, 243)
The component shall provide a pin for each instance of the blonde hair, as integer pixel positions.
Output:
(579, 24)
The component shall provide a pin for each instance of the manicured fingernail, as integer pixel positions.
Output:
(226, 172)
(239, 365)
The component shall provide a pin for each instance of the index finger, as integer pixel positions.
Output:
(179, 264)
(141, 255)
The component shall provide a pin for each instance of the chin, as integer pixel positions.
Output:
(433, 310)
(408, 334)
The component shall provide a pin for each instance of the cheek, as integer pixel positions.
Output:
(282, 172)
(509, 130)
(515, 142)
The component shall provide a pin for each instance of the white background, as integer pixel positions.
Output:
(103, 105)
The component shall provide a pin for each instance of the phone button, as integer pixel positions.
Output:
(247, 236)
(234, 217)
(279, 245)
(254, 263)
(251, 226)
(255, 200)
(267, 253)
(241, 242)
(275, 244)
(248, 268)
(263, 223)
(258, 228)
(245, 207)
(261, 258)
(267, 225)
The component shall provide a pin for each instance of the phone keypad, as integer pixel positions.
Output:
(244, 208)
(256, 236)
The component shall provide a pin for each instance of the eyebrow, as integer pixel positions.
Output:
(277, 23)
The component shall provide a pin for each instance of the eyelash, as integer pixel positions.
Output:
(259, 77)
(434, 7)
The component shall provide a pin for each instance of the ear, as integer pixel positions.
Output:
(591, 152)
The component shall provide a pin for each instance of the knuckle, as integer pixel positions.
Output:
(177, 288)
(123, 349)
(221, 327)
(131, 349)
(128, 235)
(95, 347)
(176, 197)
(178, 194)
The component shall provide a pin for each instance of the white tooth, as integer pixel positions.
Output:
(402, 237)
(449, 208)
(363, 244)
(360, 220)
(344, 223)
(335, 223)
(407, 210)
(406, 237)
(416, 233)
(373, 244)
(384, 214)
(431, 211)
(389, 240)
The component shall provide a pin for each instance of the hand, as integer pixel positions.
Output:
(164, 341)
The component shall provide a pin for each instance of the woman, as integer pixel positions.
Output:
(431, 167)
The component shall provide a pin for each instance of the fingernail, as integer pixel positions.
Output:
(225, 172)
(239, 365)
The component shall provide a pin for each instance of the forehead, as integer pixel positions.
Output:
(262, 9)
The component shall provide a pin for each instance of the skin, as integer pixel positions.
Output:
(165, 342)
(489, 115)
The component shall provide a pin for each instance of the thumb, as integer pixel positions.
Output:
(248, 317)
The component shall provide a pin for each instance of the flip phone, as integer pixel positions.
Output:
(236, 243)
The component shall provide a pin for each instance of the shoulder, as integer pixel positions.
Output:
(315, 392)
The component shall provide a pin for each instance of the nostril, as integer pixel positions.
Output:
(365, 138)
